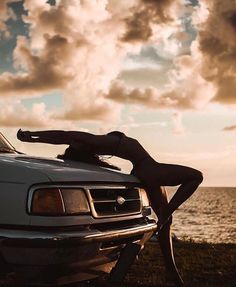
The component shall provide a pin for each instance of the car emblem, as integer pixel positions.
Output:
(120, 200)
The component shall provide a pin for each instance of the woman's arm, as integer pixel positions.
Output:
(100, 142)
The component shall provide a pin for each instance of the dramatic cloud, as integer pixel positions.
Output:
(207, 73)
(147, 14)
(97, 109)
(183, 91)
(67, 52)
(78, 47)
(230, 128)
(15, 115)
(6, 13)
(44, 71)
(217, 43)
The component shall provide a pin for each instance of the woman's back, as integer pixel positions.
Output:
(129, 148)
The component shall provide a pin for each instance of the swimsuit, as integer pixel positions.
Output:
(126, 154)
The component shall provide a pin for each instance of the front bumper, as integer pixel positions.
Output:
(28, 247)
(28, 238)
(69, 251)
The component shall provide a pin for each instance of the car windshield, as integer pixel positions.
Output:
(5, 146)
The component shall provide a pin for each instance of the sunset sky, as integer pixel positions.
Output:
(163, 71)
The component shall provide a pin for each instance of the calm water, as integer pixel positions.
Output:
(209, 215)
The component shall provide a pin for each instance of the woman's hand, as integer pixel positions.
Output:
(24, 136)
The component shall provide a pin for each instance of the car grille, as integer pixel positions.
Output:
(114, 201)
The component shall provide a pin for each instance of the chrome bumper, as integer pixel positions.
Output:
(67, 256)
(34, 238)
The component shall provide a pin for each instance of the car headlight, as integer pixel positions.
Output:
(144, 198)
(75, 200)
(59, 201)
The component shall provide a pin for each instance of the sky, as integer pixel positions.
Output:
(162, 71)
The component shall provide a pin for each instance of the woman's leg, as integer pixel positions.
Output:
(172, 175)
(165, 241)
(164, 236)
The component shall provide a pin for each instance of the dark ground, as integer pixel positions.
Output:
(200, 264)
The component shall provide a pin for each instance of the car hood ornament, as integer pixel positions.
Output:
(120, 200)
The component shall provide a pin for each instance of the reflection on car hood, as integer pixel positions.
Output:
(63, 171)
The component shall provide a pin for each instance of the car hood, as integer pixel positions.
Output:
(58, 170)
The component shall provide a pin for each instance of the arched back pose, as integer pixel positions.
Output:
(152, 174)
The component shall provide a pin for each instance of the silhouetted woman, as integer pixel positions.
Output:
(152, 174)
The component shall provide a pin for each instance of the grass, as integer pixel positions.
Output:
(200, 264)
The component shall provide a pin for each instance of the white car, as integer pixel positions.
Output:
(64, 221)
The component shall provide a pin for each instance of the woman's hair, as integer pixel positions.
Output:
(74, 154)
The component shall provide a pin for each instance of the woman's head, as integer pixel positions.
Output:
(84, 155)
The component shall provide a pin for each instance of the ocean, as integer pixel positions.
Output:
(208, 215)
